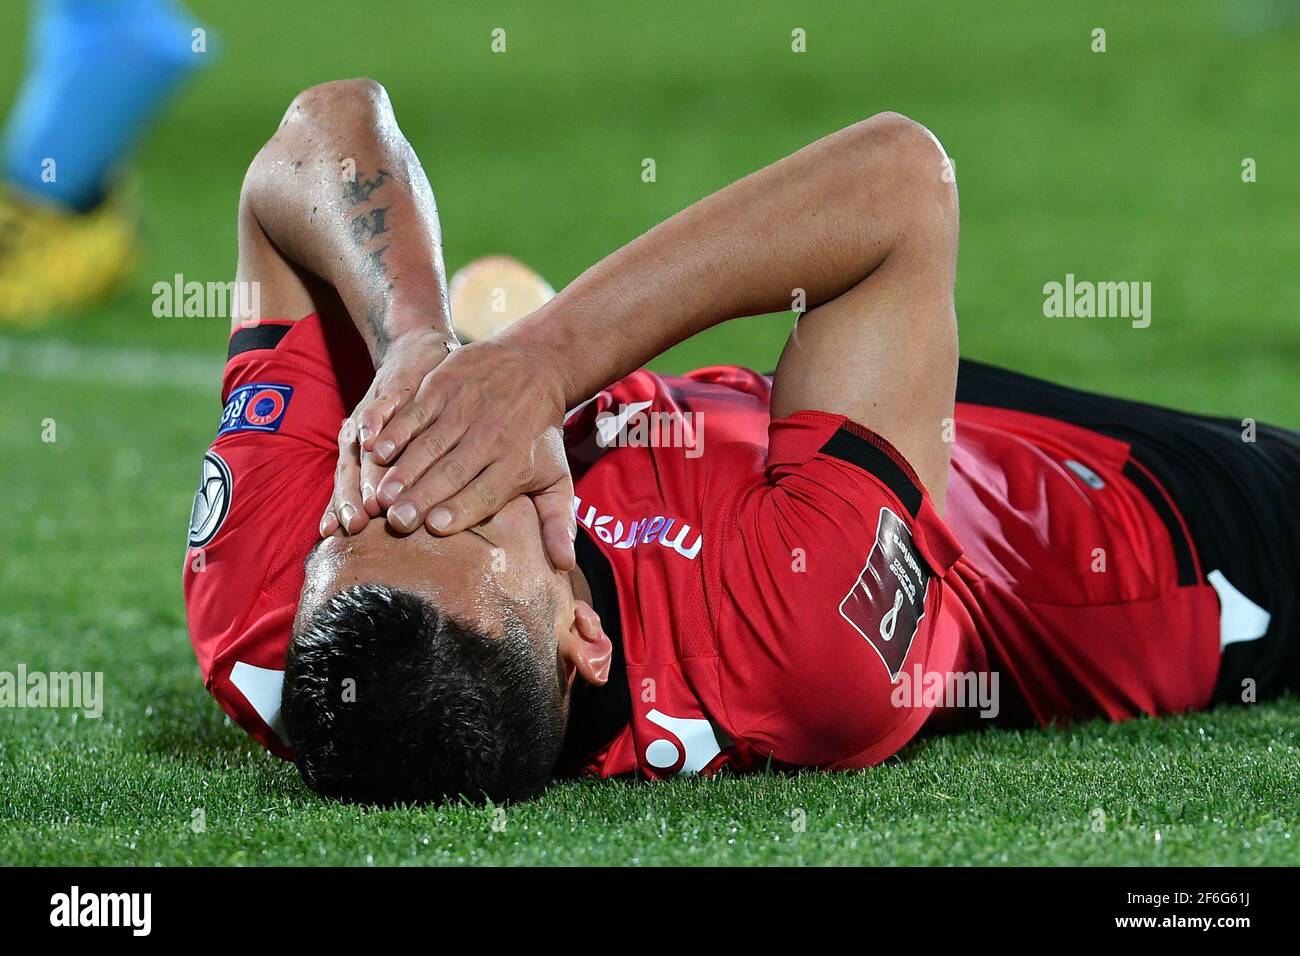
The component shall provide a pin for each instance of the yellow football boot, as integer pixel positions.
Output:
(53, 260)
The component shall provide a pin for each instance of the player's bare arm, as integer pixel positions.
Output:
(861, 226)
(337, 217)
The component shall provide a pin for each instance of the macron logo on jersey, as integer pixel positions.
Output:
(699, 744)
(259, 407)
(656, 528)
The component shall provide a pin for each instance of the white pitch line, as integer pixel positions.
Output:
(112, 365)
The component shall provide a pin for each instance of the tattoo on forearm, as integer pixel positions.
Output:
(376, 316)
(369, 224)
(365, 229)
(378, 267)
(360, 189)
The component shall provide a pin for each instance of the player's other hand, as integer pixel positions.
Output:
(397, 380)
(483, 428)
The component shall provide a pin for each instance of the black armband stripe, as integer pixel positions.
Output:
(856, 450)
(256, 337)
(1182, 548)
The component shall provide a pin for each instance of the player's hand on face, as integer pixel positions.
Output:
(356, 475)
(483, 428)
(406, 363)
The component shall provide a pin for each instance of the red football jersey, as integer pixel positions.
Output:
(265, 483)
(774, 577)
(786, 592)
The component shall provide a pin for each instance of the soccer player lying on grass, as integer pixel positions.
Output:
(833, 557)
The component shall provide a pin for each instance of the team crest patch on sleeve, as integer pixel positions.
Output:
(887, 601)
(259, 407)
(211, 500)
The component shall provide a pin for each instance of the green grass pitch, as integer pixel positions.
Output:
(1117, 165)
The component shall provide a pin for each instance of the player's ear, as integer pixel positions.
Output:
(585, 648)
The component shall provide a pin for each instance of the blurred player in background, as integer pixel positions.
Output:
(98, 73)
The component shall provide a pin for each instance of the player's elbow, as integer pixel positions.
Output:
(901, 149)
(325, 114)
(337, 98)
(897, 165)
(317, 122)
